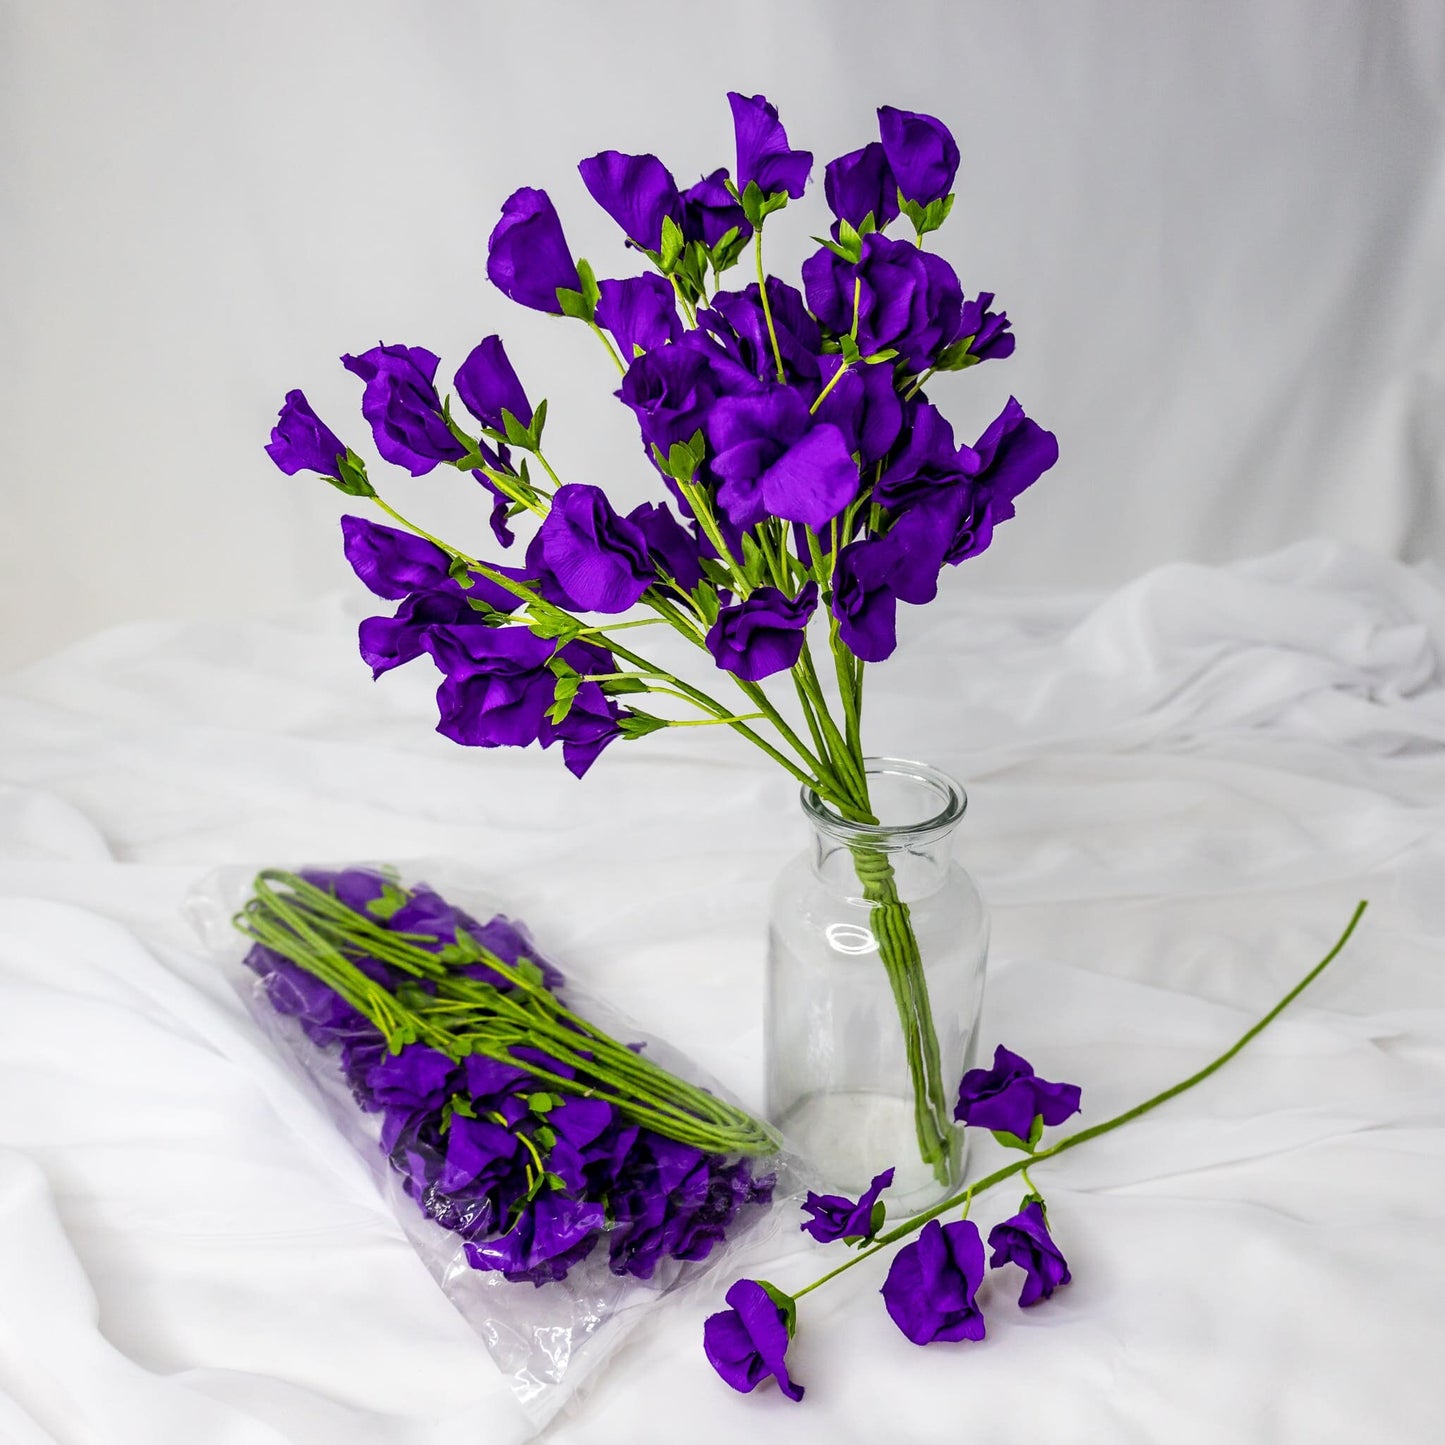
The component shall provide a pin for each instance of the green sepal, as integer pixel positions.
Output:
(460, 573)
(1012, 1141)
(620, 686)
(757, 207)
(725, 254)
(515, 433)
(926, 218)
(887, 354)
(849, 347)
(554, 1182)
(715, 572)
(639, 724)
(544, 620)
(754, 563)
(876, 1219)
(392, 900)
(1034, 1197)
(352, 476)
(785, 1302)
(457, 1104)
(673, 245)
(580, 304)
(489, 616)
(541, 1103)
(841, 249)
(564, 692)
(957, 357)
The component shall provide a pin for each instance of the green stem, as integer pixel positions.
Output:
(965, 1196)
(832, 382)
(611, 350)
(767, 305)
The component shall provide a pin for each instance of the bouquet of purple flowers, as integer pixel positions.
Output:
(808, 481)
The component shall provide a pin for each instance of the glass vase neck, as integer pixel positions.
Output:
(914, 808)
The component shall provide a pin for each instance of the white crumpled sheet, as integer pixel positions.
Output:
(1178, 793)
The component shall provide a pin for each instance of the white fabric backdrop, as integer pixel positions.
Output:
(1178, 792)
(1219, 230)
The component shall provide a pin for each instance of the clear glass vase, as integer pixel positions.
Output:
(877, 946)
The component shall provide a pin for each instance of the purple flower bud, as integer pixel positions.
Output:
(921, 153)
(709, 212)
(762, 634)
(638, 192)
(929, 1292)
(834, 1217)
(1025, 1241)
(992, 340)
(599, 560)
(402, 405)
(860, 184)
(1010, 1096)
(763, 152)
(748, 1343)
(488, 386)
(528, 257)
(639, 311)
(301, 441)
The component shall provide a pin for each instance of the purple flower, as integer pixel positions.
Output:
(875, 573)
(599, 560)
(992, 339)
(864, 406)
(488, 386)
(1010, 1096)
(672, 389)
(763, 634)
(928, 465)
(638, 192)
(921, 153)
(497, 689)
(909, 300)
(393, 563)
(772, 457)
(737, 320)
(301, 441)
(553, 1233)
(860, 184)
(402, 405)
(709, 212)
(639, 311)
(1012, 455)
(673, 548)
(417, 1076)
(834, 1217)
(763, 152)
(1025, 1241)
(749, 1342)
(388, 642)
(930, 1288)
(527, 255)
(479, 1153)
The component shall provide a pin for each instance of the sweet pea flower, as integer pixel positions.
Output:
(908, 300)
(1025, 1241)
(992, 338)
(1008, 1097)
(763, 634)
(598, 559)
(929, 1292)
(674, 550)
(860, 184)
(772, 457)
(921, 153)
(301, 441)
(1013, 453)
(864, 406)
(488, 386)
(393, 563)
(709, 211)
(749, 1342)
(928, 464)
(389, 642)
(672, 389)
(764, 155)
(875, 573)
(528, 258)
(402, 406)
(638, 192)
(640, 312)
(737, 320)
(552, 1235)
(835, 1217)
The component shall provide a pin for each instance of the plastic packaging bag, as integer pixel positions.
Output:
(638, 1214)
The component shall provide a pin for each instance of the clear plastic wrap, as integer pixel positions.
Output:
(638, 1215)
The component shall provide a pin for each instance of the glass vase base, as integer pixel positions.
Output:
(845, 1140)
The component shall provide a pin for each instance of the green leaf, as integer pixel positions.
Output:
(590, 292)
(755, 564)
(851, 254)
(574, 304)
(785, 1302)
(708, 603)
(620, 686)
(956, 357)
(517, 435)
(1010, 1141)
(673, 244)
(552, 1181)
(462, 1105)
(539, 420)
(875, 1221)
(639, 724)
(529, 971)
(849, 348)
(392, 900)
(352, 480)
(715, 572)
(490, 616)
(564, 693)
(460, 573)
(887, 354)
(682, 463)
(926, 218)
(544, 620)
(1036, 1131)
(728, 249)
(541, 1103)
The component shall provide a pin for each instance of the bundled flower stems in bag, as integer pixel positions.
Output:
(556, 1170)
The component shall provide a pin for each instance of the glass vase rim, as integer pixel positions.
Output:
(950, 792)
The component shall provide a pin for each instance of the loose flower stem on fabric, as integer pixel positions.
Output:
(966, 1196)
